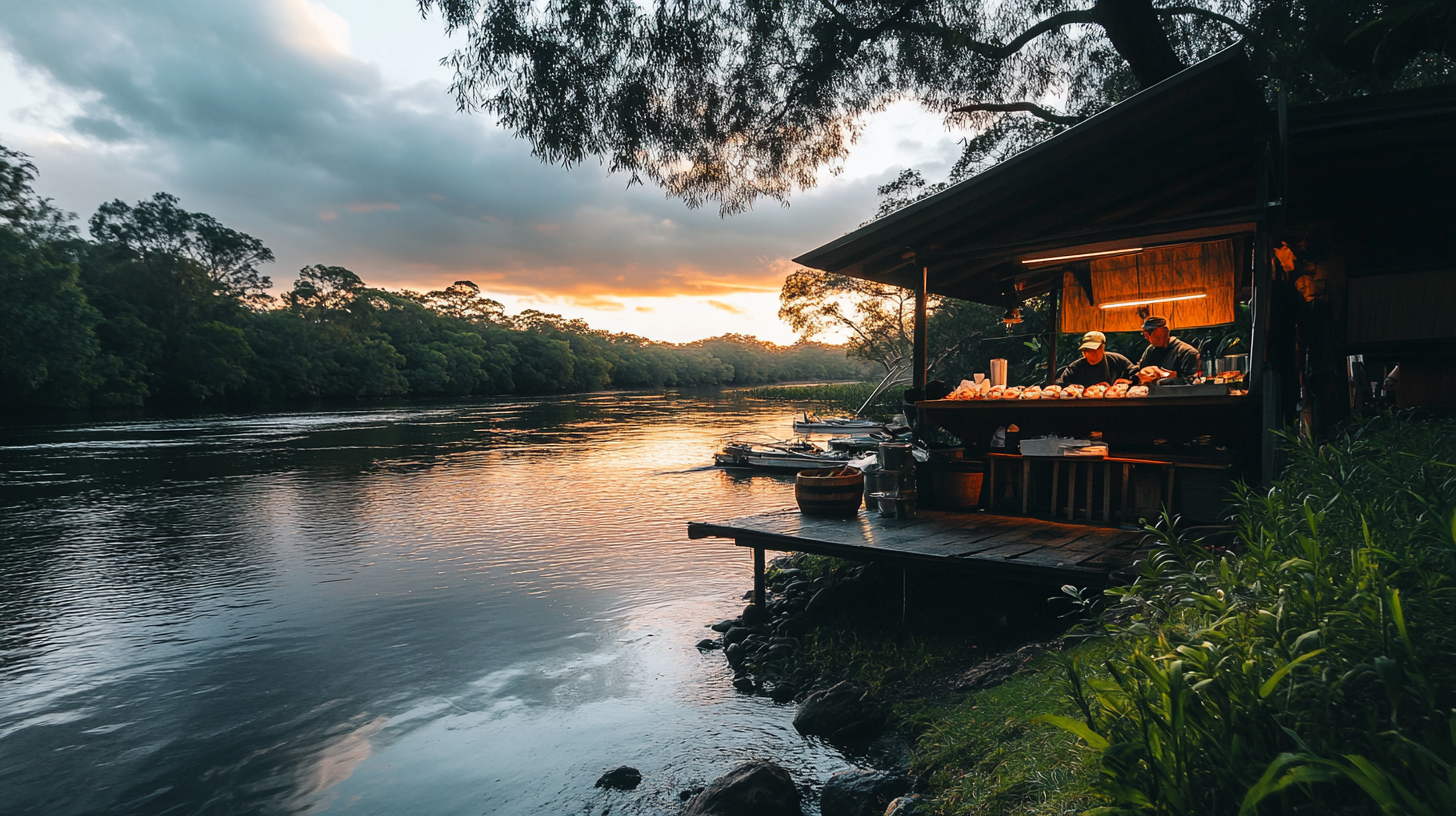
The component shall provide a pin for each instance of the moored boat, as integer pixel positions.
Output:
(782, 456)
(855, 426)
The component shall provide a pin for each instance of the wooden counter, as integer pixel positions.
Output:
(1139, 479)
(1230, 420)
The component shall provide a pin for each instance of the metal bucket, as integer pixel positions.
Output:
(895, 456)
(1233, 362)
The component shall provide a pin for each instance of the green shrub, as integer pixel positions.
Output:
(1314, 670)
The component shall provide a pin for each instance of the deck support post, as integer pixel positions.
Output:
(919, 341)
(904, 595)
(758, 583)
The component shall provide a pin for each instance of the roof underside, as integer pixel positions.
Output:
(1178, 161)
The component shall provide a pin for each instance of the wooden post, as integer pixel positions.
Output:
(759, 593)
(1091, 476)
(904, 595)
(1107, 492)
(1053, 331)
(922, 334)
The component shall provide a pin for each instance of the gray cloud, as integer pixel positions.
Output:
(242, 111)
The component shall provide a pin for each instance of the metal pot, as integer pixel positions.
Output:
(1233, 362)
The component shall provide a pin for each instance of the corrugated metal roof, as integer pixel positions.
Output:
(1181, 158)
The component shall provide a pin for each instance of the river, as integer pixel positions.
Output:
(472, 608)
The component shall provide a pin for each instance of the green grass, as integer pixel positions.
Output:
(985, 753)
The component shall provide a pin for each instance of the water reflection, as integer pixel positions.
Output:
(441, 609)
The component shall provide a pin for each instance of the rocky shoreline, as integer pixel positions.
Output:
(763, 647)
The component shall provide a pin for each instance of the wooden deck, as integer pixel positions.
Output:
(1018, 548)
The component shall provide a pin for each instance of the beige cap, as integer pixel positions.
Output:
(1093, 339)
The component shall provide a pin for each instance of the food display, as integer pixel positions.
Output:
(983, 390)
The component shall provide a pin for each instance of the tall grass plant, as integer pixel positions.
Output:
(1313, 670)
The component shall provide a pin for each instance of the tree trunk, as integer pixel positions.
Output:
(1138, 36)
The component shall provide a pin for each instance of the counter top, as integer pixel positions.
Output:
(1074, 404)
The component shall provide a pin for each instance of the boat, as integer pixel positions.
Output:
(854, 426)
(783, 456)
(868, 442)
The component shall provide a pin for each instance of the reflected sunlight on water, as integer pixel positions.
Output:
(472, 608)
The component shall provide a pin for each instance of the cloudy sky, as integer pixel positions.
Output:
(326, 130)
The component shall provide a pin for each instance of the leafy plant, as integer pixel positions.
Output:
(1313, 669)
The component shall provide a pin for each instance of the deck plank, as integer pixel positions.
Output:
(1025, 548)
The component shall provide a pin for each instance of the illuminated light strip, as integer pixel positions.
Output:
(1154, 300)
(1128, 251)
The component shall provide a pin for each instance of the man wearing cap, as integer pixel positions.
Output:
(1098, 365)
(1166, 356)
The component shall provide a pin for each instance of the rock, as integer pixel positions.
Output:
(783, 692)
(861, 792)
(890, 751)
(623, 778)
(792, 627)
(996, 670)
(707, 644)
(751, 789)
(735, 635)
(688, 793)
(835, 598)
(745, 683)
(839, 714)
(796, 587)
(905, 806)
(735, 654)
(723, 625)
(753, 615)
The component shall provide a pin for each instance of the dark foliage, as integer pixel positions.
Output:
(166, 307)
(726, 102)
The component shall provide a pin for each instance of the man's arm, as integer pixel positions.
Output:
(1188, 361)
(1123, 368)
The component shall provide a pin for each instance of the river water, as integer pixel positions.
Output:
(438, 609)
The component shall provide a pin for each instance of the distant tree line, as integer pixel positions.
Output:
(165, 306)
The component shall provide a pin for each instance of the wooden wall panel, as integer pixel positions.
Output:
(1408, 306)
(1210, 267)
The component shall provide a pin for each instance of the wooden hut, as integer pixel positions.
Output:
(1334, 223)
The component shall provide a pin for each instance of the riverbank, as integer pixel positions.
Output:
(1307, 661)
(952, 684)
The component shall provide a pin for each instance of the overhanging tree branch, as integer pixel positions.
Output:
(1018, 107)
(1208, 14)
(952, 37)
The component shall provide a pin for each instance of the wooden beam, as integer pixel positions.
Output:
(921, 330)
(1054, 328)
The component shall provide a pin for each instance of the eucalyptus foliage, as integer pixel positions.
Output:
(727, 101)
(1310, 668)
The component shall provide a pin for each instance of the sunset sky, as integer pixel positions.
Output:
(326, 130)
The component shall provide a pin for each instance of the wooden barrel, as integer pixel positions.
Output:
(833, 492)
(957, 483)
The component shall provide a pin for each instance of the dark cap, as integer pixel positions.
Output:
(1154, 322)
